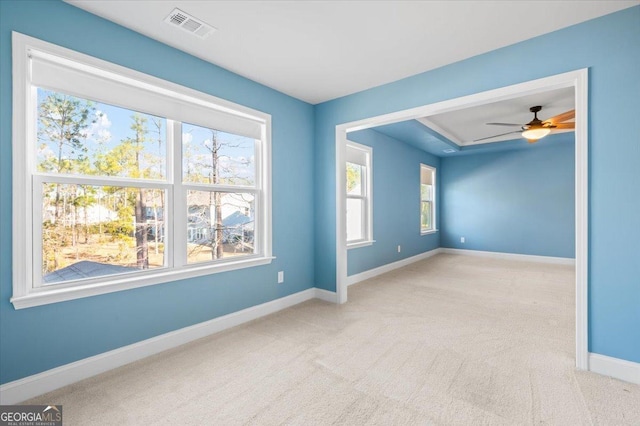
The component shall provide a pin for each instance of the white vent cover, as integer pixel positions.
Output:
(188, 23)
(448, 150)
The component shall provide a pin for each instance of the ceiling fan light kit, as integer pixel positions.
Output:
(533, 134)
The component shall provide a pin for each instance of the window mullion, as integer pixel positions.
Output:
(169, 202)
(219, 188)
(100, 181)
(178, 204)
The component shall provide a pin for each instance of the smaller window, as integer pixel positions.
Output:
(358, 170)
(427, 199)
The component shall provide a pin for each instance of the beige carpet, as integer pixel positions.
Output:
(450, 340)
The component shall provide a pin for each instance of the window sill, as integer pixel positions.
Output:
(127, 282)
(432, 231)
(360, 244)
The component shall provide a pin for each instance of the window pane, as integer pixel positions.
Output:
(220, 225)
(425, 215)
(90, 231)
(355, 221)
(355, 173)
(215, 157)
(425, 192)
(82, 137)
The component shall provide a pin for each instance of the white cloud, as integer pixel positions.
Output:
(102, 120)
(187, 137)
(97, 131)
(104, 135)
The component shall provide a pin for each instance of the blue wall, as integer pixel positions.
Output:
(609, 47)
(40, 338)
(513, 202)
(396, 203)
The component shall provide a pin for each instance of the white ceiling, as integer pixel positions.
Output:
(321, 50)
(465, 126)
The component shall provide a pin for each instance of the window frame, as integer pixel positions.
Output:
(27, 241)
(433, 228)
(367, 195)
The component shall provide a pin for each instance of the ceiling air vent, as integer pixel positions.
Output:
(188, 23)
(448, 151)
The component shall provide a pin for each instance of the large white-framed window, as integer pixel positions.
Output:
(359, 195)
(122, 180)
(427, 199)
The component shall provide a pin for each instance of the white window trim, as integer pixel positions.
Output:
(434, 207)
(368, 196)
(360, 244)
(24, 293)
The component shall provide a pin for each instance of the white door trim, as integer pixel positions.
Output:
(576, 79)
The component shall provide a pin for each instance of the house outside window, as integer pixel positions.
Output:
(427, 199)
(122, 179)
(359, 195)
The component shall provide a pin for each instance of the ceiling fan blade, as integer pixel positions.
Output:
(560, 118)
(570, 125)
(495, 136)
(504, 124)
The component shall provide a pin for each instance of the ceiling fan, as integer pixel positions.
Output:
(536, 128)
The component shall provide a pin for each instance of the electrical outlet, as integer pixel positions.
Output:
(280, 277)
(462, 240)
(399, 249)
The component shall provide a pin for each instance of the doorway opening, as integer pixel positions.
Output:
(578, 80)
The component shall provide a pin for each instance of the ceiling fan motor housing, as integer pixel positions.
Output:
(536, 121)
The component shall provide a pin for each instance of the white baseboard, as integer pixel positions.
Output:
(356, 278)
(628, 371)
(326, 295)
(38, 384)
(512, 256)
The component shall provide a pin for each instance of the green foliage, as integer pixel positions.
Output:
(118, 229)
(425, 215)
(63, 120)
(354, 176)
